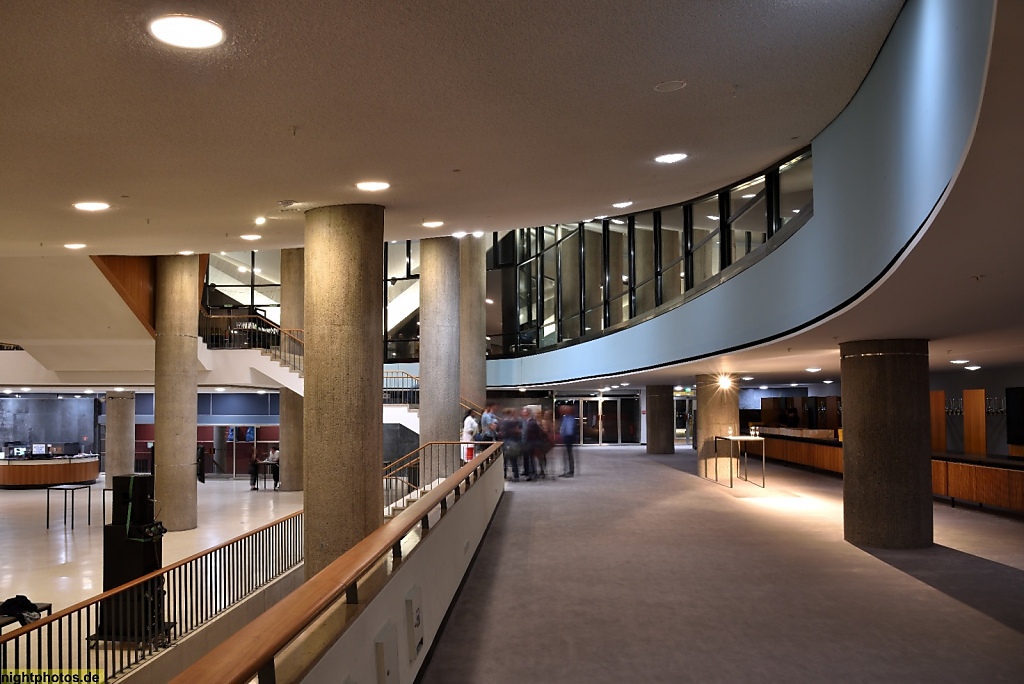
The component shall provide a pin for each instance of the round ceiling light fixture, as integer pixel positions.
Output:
(622, 205)
(186, 252)
(75, 245)
(181, 30)
(764, 387)
(91, 206)
(250, 237)
(373, 186)
(670, 86)
(671, 158)
(433, 224)
(478, 233)
(459, 234)
(724, 381)
(260, 220)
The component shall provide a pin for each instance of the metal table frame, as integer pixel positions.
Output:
(68, 488)
(741, 450)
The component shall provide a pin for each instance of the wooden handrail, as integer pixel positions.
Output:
(400, 462)
(145, 578)
(266, 320)
(241, 657)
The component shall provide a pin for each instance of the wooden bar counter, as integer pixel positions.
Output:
(47, 472)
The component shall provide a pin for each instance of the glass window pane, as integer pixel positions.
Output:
(595, 321)
(705, 219)
(672, 244)
(705, 260)
(619, 309)
(267, 296)
(618, 267)
(569, 254)
(594, 275)
(750, 216)
(224, 268)
(396, 260)
(267, 266)
(550, 236)
(549, 335)
(795, 188)
(527, 293)
(644, 255)
(414, 257)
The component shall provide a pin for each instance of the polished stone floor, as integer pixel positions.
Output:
(63, 566)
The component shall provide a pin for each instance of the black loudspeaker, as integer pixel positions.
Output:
(128, 554)
(136, 614)
(133, 500)
(1015, 415)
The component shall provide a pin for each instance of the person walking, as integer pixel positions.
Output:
(469, 428)
(567, 430)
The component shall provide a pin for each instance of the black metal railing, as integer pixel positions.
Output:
(120, 628)
(252, 331)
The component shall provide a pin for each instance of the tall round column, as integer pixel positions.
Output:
(120, 410)
(887, 477)
(291, 404)
(175, 388)
(661, 429)
(440, 411)
(472, 320)
(718, 413)
(344, 380)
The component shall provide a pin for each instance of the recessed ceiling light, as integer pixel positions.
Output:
(796, 211)
(91, 206)
(7, 391)
(724, 381)
(828, 382)
(242, 269)
(186, 252)
(812, 370)
(605, 389)
(763, 387)
(625, 384)
(250, 237)
(489, 300)
(373, 186)
(972, 368)
(184, 31)
(433, 224)
(747, 378)
(670, 158)
(622, 205)
(615, 387)
(119, 389)
(459, 234)
(625, 278)
(261, 391)
(478, 233)
(88, 391)
(793, 384)
(75, 245)
(78, 396)
(670, 86)
(678, 388)
(750, 196)
(26, 389)
(960, 362)
(522, 389)
(598, 218)
(618, 222)
(218, 389)
(260, 220)
(713, 218)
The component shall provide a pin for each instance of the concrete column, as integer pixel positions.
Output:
(440, 412)
(175, 388)
(661, 429)
(221, 450)
(887, 478)
(344, 377)
(120, 460)
(472, 320)
(718, 413)
(291, 404)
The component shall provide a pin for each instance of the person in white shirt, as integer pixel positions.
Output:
(274, 460)
(469, 428)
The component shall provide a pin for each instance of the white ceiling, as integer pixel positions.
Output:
(486, 115)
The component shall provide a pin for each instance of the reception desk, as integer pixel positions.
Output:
(47, 472)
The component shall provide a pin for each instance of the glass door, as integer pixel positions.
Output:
(590, 421)
(610, 421)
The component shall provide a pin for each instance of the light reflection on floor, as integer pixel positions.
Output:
(64, 566)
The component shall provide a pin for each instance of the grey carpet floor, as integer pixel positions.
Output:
(637, 570)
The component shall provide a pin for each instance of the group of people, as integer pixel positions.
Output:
(528, 438)
(274, 461)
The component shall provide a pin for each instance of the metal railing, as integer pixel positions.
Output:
(120, 628)
(401, 388)
(252, 331)
(252, 650)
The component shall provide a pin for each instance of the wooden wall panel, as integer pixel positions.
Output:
(992, 486)
(1015, 490)
(48, 474)
(974, 423)
(961, 481)
(1016, 449)
(134, 278)
(940, 478)
(937, 411)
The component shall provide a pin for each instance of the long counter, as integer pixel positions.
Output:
(47, 472)
(988, 481)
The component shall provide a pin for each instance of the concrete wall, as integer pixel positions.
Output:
(48, 420)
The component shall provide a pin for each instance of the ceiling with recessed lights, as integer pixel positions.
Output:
(485, 116)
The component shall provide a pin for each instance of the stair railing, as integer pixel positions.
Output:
(252, 331)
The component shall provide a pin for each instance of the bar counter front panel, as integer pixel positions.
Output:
(46, 472)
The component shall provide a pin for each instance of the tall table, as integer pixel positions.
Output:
(740, 441)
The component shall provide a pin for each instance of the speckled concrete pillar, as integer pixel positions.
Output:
(221, 450)
(120, 458)
(344, 377)
(661, 430)
(291, 404)
(473, 319)
(887, 478)
(440, 412)
(175, 389)
(718, 413)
